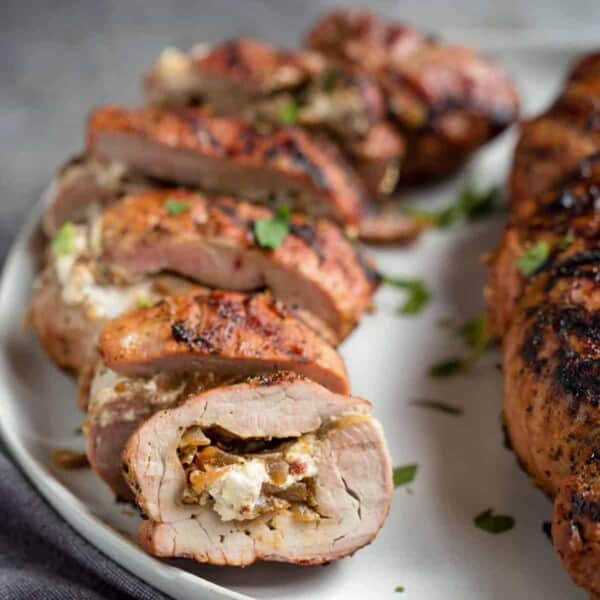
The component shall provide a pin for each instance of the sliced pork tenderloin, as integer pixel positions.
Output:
(446, 100)
(154, 357)
(189, 147)
(275, 468)
(269, 87)
(73, 297)
(315, 269)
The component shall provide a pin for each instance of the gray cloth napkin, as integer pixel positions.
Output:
(42, 557)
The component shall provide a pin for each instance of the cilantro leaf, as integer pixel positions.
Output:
(534, 258)
(287, 114)
(399, 588)
(438, 405)
(175, 207)
(64, 240)
(270, 233)
(492, 523)
(418, 295)
(405, 474)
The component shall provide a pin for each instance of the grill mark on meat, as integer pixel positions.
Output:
(291, 148)
(585, 508)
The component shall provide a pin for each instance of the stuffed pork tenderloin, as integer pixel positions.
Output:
(191, 147)
(446, 101)
(274, 468)
(229, 469)
(543, 301)
(152, 358)
(271, 87)
(129, 253)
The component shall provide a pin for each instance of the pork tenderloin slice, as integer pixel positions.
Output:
(65, 331)
(228, 76)
(353, 484)
(267, 85)
(230, 156)
(222, 332)
(212, 241)
(446, 100)
(117, 405)
(71, 301)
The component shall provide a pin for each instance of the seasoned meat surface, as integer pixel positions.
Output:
(446, 100)
(190, 147)
(224, 330)
(155, 357)
(216, 483)
(548, 316)
(270, 86)
(212, 241)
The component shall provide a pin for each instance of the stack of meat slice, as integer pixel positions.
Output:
(402, 108)
(206, 356)
(227, 466)
(543, 299)
(231, 410)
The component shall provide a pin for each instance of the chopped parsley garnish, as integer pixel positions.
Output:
(175, 207)
(418, 294)
(566, 241)
(64, 240)
(534, 258)
(475, 334)
(438, 405)
(144, 302)
(446, 368)
(399, 588)
(287, 113)
(328, 79)
(405, 474)
(476, 337)
(270, 233)
(471, 204)
(492, 523)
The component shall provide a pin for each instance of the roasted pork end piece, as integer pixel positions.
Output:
(307, 482)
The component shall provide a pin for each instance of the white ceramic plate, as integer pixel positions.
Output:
(429, 544)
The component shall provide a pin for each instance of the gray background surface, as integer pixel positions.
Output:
(59, 58)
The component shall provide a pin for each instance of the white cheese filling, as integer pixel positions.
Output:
(79, 285)
(238, 492)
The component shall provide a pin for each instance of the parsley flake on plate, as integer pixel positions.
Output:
(418, 295)
(270, 233)
(405, 474)
(477, 338)
(534, 258)
(64, 240)
(399, 588)
(438, 405)
(176, 207)
(488, 521)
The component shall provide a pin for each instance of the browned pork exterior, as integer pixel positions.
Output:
(190, 147)
(315, 269)
(274, 468)
(445, 100)
(544, 299)
(272, 87)
(154, 357)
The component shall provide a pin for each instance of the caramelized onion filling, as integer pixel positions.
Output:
(245, 478)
